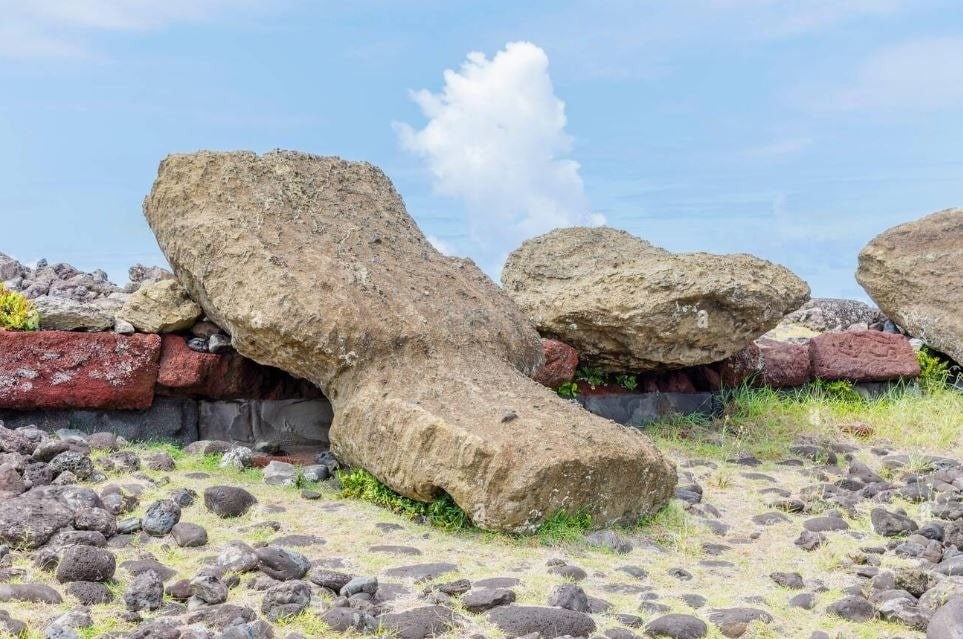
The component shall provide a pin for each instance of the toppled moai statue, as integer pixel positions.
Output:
(313, 265)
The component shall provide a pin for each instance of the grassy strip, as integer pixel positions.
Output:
(766, 423)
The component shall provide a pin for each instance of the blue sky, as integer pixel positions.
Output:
(795, 131)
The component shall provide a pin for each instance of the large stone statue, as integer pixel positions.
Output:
(313, 266)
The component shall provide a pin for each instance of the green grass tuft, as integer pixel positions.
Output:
(442, 513)
(564, 527)
(170, 446)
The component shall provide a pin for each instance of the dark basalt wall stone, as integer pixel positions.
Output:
(285, 424)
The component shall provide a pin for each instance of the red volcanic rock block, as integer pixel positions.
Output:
(768, 363)
(783, 364)
(58, 369)
(862, 356)
(740, 366)
(181, 367)
(187, 373)
(561, 360)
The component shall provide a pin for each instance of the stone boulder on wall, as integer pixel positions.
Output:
(66, 314)
(625, 304)
(162, 306)
(914, 272)
(313, 265)
(826, 315)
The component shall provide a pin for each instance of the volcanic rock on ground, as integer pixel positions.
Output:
(914, 272)
(313, 265)
(625, 304)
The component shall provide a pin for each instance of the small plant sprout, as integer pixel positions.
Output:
(592, 376)
(17, 313)
(626, 381)
(567, 389)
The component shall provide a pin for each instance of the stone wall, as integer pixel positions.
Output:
(285, 424)
(146, 386)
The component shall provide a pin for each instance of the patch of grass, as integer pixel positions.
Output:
(671, 528)
(766, 422)
(171, 447)
(442, 513)
(105, 626)
(563, 527)
(307, 623)
(211, 461)
(934, 372)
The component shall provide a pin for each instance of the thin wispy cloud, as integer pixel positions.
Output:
(919, 75)
(779, 19)
(66, 28)
(615, 39)
(780, 148)
(495, 139)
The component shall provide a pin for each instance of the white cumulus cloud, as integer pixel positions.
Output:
(496, 140)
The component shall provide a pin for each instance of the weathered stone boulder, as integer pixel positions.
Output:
(624, 304)
(862, 356)
(914, 272)
(829, 314)
(57, 369)
(30, 522)
(313, 265)
(161, 306)
(826, 315)
(65, 314)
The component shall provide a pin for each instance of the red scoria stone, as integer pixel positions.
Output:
(784, 365)
(181, 367)
(188, 373)
(561, 360)
(862, 356)
(769, 363)
(60, 369)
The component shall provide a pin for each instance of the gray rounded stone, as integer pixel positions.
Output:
(676, 626)
(86, 563)
(160, 518)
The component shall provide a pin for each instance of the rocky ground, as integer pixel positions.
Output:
(108, 539)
